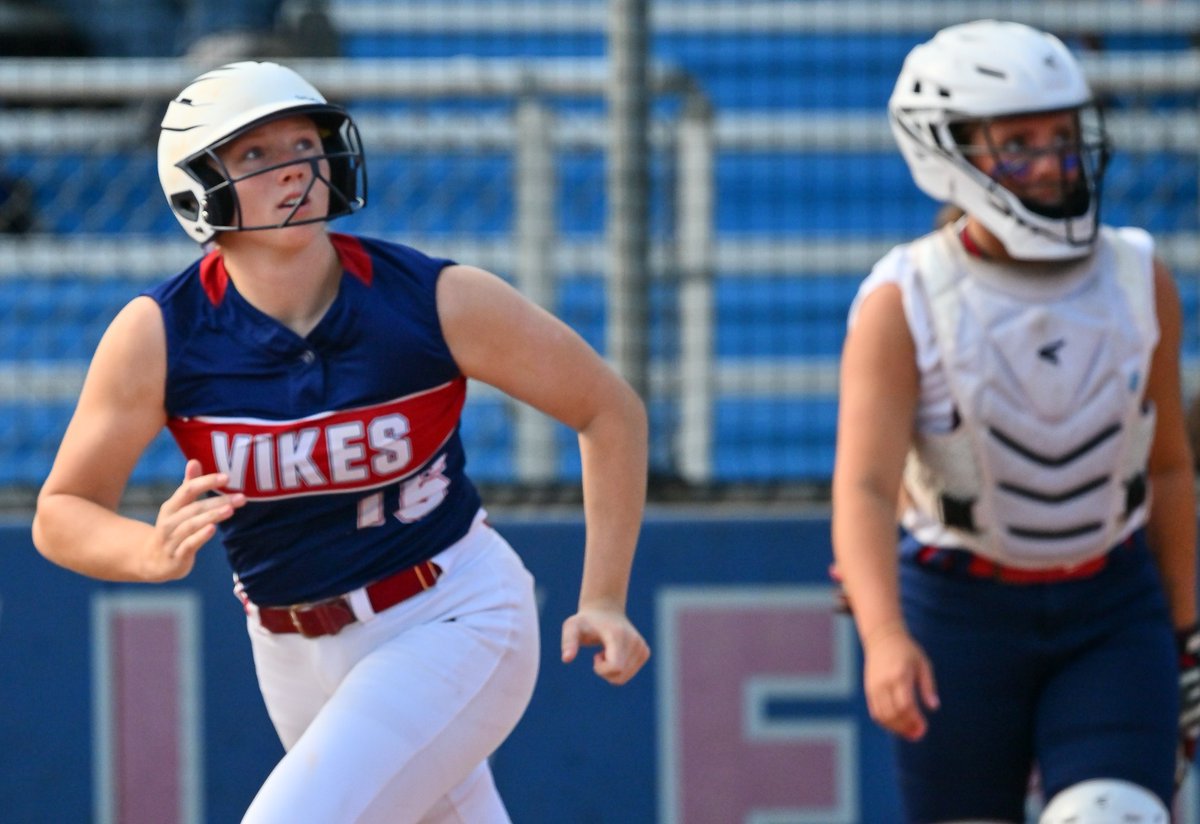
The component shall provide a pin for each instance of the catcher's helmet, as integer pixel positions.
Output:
(220, 105)
(979, 72)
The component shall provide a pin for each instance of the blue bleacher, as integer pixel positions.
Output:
(736, 70)
(29, 434)
(768, 440)
(1162, 192)
(771, 317)
(105, 193)
(819, 195)
(59, 319)
(763, 316)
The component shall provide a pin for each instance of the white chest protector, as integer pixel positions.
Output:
(1046, 465)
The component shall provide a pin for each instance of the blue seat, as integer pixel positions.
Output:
(768, 440)
(60, 318)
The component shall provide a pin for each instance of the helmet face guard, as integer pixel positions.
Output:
(1081, 161)
(973, 76)
(220, 106)
(341, 151)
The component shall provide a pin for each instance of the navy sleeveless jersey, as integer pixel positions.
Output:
(345, 442)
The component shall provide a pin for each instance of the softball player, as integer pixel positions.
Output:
(314, 381)
(1013, 380)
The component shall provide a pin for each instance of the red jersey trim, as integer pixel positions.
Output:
(213, 277)
(344, 451)
(351, 254)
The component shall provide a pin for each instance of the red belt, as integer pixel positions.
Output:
(979, 567)
(328, 617)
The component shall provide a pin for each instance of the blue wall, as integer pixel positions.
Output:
(585, 751)
(734, 607)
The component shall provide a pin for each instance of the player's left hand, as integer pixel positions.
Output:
(623, 651)
(1188, 644)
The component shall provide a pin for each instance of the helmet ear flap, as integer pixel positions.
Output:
(347, 174)
(219, 206)
(186, 205)
(343, 180)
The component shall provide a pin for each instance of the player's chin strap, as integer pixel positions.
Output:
(1188, 644)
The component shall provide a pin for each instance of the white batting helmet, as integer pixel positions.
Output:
(980, 71)
(224, 103)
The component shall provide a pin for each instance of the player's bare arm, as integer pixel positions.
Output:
(878, 383)
(119, 413)
(1171, 529)
(499, 337)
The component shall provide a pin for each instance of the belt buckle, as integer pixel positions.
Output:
(324, 613)
(294, 614)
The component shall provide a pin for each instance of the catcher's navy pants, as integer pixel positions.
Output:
(1079, 677)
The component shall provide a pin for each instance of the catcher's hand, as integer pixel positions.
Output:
(1188, 644)
(841, 601)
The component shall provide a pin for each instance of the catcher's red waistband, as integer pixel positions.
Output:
(964, 562)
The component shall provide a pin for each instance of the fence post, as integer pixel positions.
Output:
(695, 244)
(535, 187)
(627, 184)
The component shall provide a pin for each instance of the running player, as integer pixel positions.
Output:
(1013, 380)
(314, 382)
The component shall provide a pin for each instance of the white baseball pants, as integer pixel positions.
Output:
(392, 719)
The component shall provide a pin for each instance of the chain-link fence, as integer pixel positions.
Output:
(758, 189)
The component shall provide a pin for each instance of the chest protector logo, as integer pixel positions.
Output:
(1047, 466)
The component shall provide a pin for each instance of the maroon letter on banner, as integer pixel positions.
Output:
(144, 694)
(725, 653)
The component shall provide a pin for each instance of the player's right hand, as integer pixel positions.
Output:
(186, 521)
(623, 651)
(898, 681)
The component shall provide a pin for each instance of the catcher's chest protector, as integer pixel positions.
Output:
(1047, 373)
